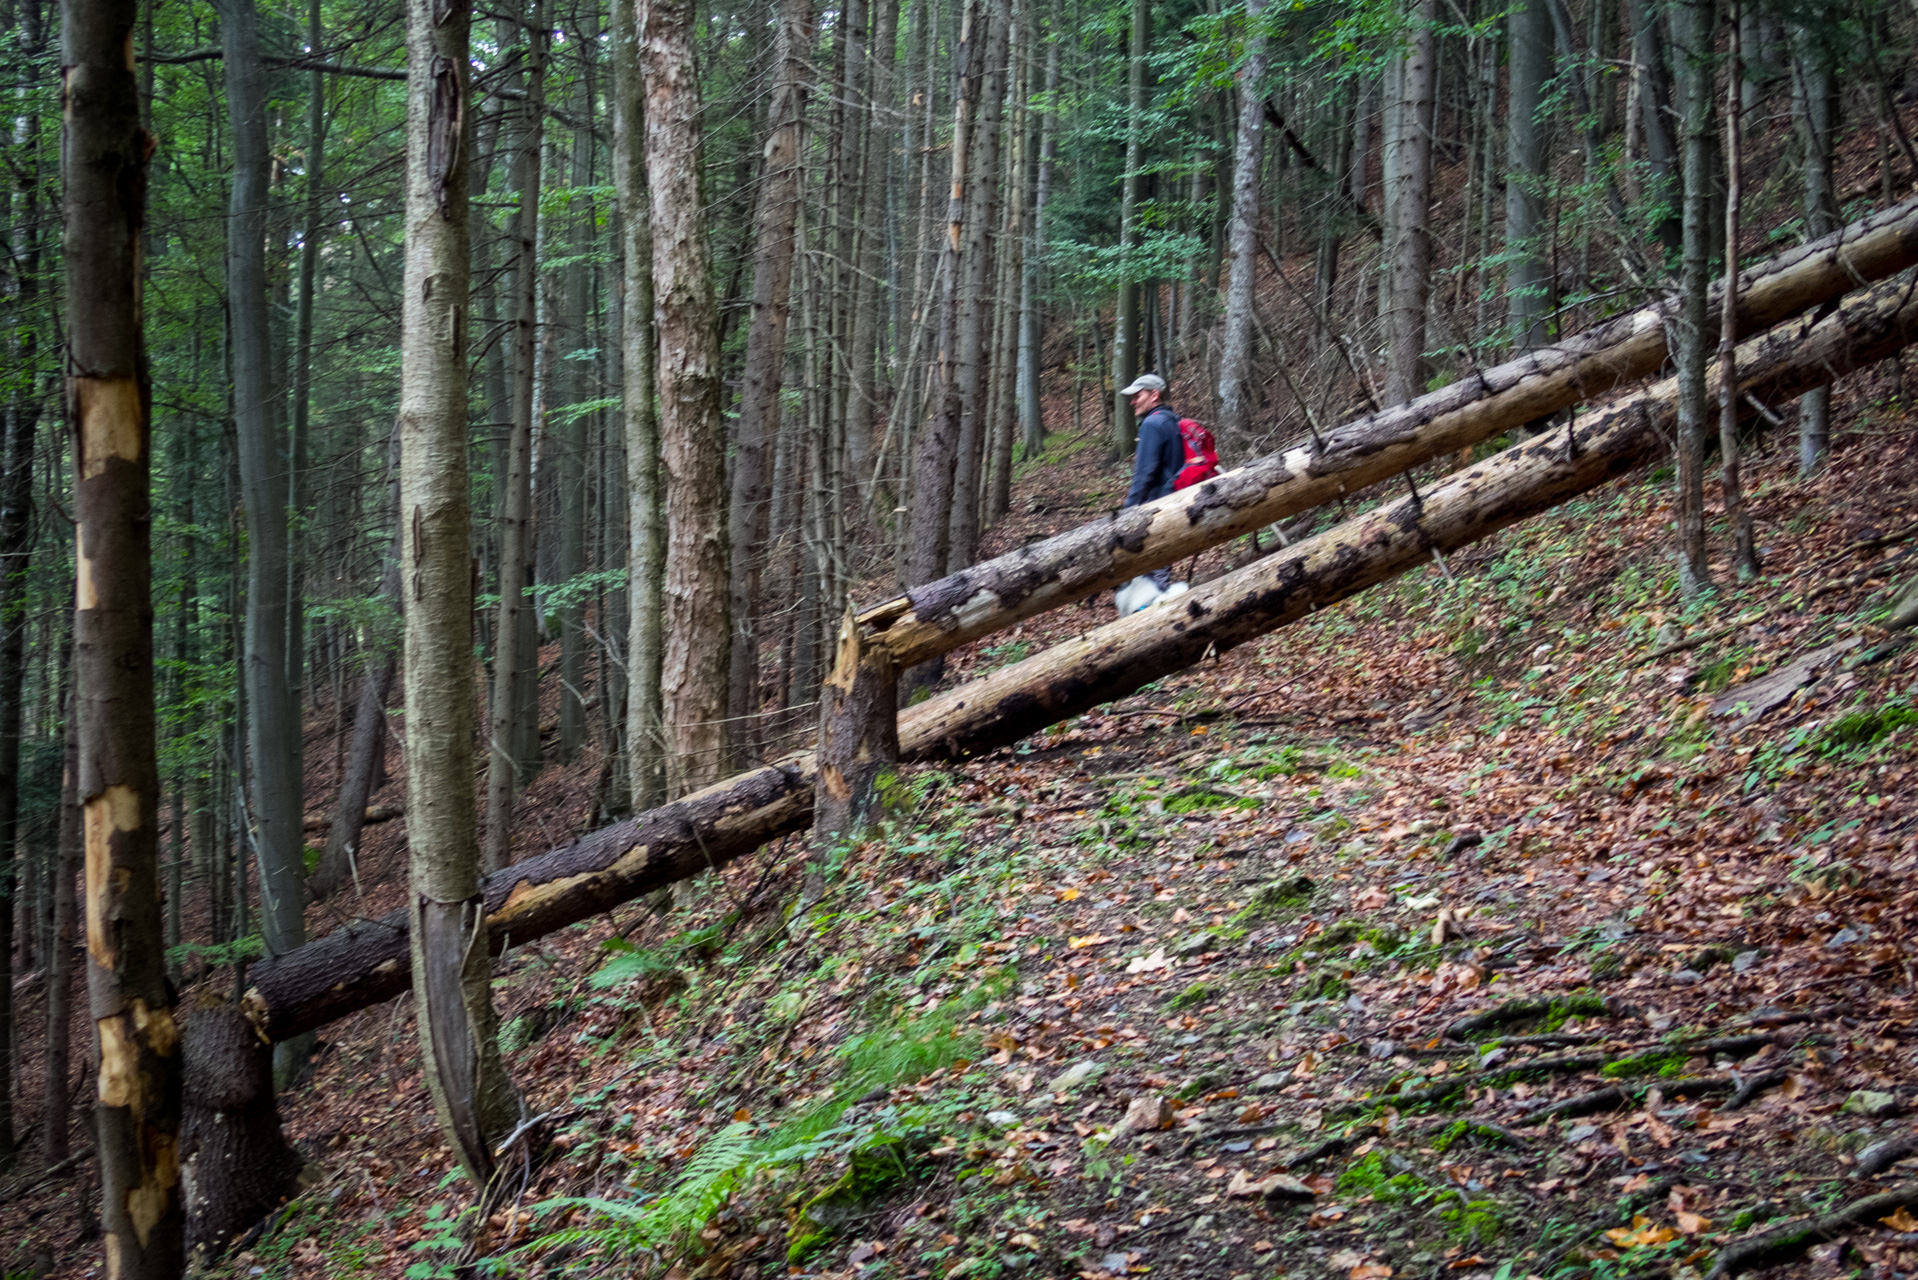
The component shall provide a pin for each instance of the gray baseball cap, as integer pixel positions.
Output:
(1144, 382)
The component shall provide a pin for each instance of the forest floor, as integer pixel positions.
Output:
(1185, 986)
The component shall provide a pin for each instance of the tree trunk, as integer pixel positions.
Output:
(366, 759)
(272, 702)
(16, 546)
(459, 1052)
(109, 403)
(935, 451)
(940, 616)
(1527, 273)
(55, 1105)
(1031, 420)
(1819, 103)
(695, 663)
(975, 292)
(773, 225)
(1125, 327)
(235, 1164)
(512, 653)
(645, 514)
(1411, 248)
(869, 293)
(1744, 553)
(1235, 364)
(364, 963)
(858, 733)
(1654, 101)
(1691, 39)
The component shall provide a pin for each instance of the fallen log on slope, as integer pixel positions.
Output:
(367, 962)
(987, 597)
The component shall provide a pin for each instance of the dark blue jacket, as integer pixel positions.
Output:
(1160, 456)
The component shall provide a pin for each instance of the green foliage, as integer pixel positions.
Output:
(1372, 1176)
(250, 947)
(1866, 728)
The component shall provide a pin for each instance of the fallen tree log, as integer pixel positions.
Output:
(994, 594)
(367, 962)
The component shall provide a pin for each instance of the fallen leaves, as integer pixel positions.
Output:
(1641, 1232)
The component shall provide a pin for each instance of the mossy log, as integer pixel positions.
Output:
(366, 962)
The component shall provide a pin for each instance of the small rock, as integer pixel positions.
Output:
(1382, 1049)
(1270, 1082)
(1073, 1076)
(1870, 1104)
(1002, 1119)
(1744, 960)
(1282, 1186)
(1203, 1222)
(1194, 944)
(1144, 1116)
(1688, 976)
(1581, 1132)
(1116, 1263)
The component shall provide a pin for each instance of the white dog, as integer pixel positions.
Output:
(1142, 593)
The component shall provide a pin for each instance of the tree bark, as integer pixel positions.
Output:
(16, 547)
(773, 227)
(55, 1105)
(1527, 272)
(869, 291)
(365, 962)
(1411, 172)
(858, 732)
(695, 663)
(935, 450)
(235, 1165)
(1818, 129)
(975, 293)
(275, 739)
(1691, 32)
(459, 1051)
(512, 653)
(109, 403)
(1031, 419)
(1744, 552)
(645, 513)
(1125, 326)
(1235, 364)
(937, 617)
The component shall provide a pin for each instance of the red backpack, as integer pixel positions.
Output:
(1201, 455)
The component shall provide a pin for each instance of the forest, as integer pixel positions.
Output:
(526, 533)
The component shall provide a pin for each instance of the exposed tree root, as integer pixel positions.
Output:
(1787, 1242)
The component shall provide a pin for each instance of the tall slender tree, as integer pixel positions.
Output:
(1691, 41)
(695, 663)
(452, 972)
(774, 220)
(1527, 266)
(1235, 364)
(1410, 177)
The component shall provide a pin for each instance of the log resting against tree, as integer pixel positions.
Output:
(962, 607)
(367, 962)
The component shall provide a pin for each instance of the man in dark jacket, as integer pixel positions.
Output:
(1160, 456)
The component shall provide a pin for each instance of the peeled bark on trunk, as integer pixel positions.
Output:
(692, 443)
(512, 653)
(365, 963)
(940, 616)
(1235, 365)
(858, 732)
(774, 222)
(109, 404)
(452, 974)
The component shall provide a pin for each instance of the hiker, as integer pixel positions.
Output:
(1161, 453)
